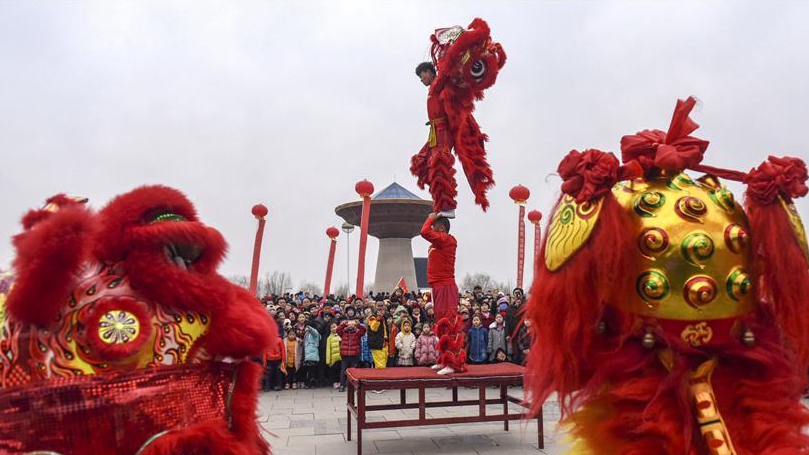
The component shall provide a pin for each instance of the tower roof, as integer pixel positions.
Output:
(395, 191)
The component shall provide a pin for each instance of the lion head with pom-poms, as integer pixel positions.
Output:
(669, 318)
(119, 336)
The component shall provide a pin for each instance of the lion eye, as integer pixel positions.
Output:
(478, 69)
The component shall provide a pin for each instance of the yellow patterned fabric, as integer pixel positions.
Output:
(102, 327)
(571, 226)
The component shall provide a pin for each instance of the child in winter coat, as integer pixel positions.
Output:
(272, 365)
(311, 355)
(333, 359)
(351, 333)
(478, 341)
(497, 337)
(406, 343)
(293, 347)
(426, 346)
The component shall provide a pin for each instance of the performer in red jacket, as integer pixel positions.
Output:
(441, 277)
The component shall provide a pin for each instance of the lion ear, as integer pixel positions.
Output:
(52, 250)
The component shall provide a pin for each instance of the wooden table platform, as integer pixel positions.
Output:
(502, 375)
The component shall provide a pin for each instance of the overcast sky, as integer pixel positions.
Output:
(291, 103)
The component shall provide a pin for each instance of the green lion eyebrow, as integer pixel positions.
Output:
(167, 217)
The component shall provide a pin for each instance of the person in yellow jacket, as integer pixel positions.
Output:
(378, 337)
(333, 359)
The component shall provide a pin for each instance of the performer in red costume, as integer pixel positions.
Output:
(464, 64)
(441, 277)
(118, 336)
(670, 319)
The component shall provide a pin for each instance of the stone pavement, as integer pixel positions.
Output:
(313, 422)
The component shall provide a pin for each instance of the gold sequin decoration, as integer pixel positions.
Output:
(697, 247)
(652, 242)
(738, 284)
(735, 238)
(699, 291)
(571, 226)
(691, 209)
(646, 204)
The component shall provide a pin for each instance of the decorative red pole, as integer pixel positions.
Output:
(520, 196)
(332, 232)
(535, 216)
(364, 189)
(260, 212)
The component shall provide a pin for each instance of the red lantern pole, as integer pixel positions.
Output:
(520, 196)
(364, 189)
(260, 212)
(332, 232)
(535, 216)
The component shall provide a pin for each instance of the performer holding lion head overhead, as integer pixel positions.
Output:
(465, 62)
(119, 337)
(670, 319)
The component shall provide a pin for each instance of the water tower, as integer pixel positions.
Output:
(396, 217)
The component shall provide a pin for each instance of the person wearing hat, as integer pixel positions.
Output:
(514, 311)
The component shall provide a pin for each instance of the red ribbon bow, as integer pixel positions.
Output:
(591, 174)
(671, 151)
(785, 176)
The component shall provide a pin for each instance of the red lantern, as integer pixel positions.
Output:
(364, 188)
(260, 211)
(520, 194)
(332, 232)
(535, 216)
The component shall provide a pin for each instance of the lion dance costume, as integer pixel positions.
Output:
(119, 337)
(467, 62)
(670, 319)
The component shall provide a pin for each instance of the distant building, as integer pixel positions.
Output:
(396, 217)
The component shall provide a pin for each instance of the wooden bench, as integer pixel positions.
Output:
(501, 375)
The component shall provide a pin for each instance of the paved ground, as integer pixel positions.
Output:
(313, 422)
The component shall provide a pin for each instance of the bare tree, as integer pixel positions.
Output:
(485, 281)
(274, 283)
(342, 290)
(311, 287)
(239, 280)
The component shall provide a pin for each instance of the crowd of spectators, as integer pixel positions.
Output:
(320, 337)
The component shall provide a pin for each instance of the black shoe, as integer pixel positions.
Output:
(342, 389)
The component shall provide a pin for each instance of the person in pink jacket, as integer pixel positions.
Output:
(426, 347)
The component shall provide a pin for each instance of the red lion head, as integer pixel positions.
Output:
(121, 317)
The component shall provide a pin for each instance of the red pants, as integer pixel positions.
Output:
(445, 301)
